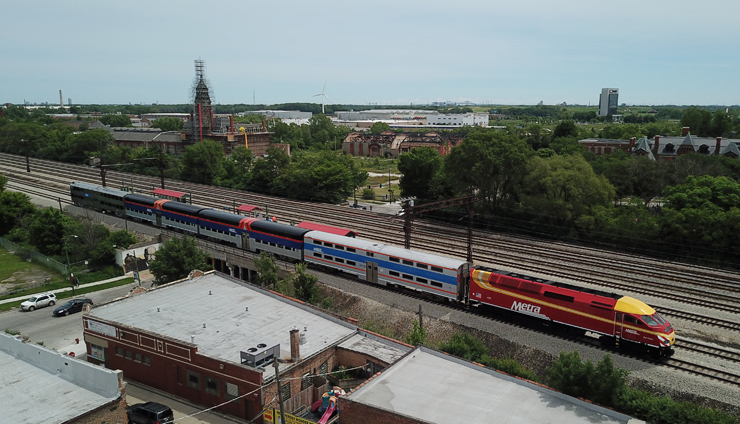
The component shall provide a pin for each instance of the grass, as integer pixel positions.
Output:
(68, 293)
(10, 264)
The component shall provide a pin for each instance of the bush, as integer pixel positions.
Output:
(18, 235)
(368, 194)
(509, 366)
(465, 346)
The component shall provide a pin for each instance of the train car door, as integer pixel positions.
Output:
(159, 219)
(618, 328)
(245, 241)
(371, 272)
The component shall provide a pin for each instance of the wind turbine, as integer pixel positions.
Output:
(323, 96)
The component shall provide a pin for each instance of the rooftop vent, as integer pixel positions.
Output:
(260, 355)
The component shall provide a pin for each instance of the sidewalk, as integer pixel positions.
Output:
(65, 289)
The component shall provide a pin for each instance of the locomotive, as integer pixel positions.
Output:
(621, 321)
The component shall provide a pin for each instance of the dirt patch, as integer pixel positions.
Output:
(26, 279)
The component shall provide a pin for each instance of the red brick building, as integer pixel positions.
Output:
(391, 144)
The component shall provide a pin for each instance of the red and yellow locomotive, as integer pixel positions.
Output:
(620, 320)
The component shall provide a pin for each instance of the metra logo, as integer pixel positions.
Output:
(525, 307)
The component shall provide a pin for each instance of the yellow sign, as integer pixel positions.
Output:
(273, 416)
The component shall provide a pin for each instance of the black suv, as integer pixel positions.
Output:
(149, 413)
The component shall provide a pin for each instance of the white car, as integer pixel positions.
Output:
(39, 301)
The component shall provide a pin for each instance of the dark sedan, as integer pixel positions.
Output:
(71, 306)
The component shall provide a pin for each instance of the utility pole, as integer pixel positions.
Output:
(421, 318)
(280, 394)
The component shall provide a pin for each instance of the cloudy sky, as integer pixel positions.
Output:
(385, 52)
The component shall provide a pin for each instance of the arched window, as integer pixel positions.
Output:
(669, 148)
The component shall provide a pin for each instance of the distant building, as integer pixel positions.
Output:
(608, 101)
(38, 385)
(605, 146)
(391, 144)
(666, 149)
(212, 338)
(412, 117)
(428, 387)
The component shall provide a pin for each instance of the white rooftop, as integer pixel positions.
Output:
(225, 316)
(435, 388)
(41, 386)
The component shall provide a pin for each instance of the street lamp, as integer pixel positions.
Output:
(66, 251)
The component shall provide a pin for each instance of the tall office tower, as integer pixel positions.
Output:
(608, 101)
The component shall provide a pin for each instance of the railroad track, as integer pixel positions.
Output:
(499, 250)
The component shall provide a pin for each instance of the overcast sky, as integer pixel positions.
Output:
(385, 52)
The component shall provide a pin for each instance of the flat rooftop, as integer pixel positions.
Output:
(225, 316)
(435, 388)
(38, 385)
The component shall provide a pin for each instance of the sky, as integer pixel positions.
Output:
(371, 52)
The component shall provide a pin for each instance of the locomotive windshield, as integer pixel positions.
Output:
(653, 320)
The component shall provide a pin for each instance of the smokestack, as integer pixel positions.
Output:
(632, 144)
(685, 131)
(717, 146)
(295, 347)
(61, 101)
(656, 146)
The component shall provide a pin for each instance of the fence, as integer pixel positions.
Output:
(36, 257)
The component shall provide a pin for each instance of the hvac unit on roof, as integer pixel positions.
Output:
(260, 355)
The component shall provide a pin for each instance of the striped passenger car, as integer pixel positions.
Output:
(382, 264)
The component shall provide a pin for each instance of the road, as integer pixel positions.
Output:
(60, 333)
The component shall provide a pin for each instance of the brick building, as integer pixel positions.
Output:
(666, 149)
(391, 144)
(213, 339)
(38, 385)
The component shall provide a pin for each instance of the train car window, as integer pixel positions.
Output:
(371, 254)
(559, 296)
(394, 273)
(659, 318)
(273, 244)
(317, 242)
(650, 321)
(422, 266)
(392, 259)
(436, 284)
(328, 245)
(353, 263)
(629, 319)
(328, 257)
(317, 254)
(437, 269)
(421, 280)
(351, 249)
(339, 247)
(340, 260)
(619, 317)
(408, 277)
(405, 262)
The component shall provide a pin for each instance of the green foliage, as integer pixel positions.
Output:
(235, 171)
(464, 346)
(267, 270)
(168, 123)
(419, 167)
(14, 206)
(202, 161)
(565, 129)
(46, 230)
(176, 259)
(368, 194)
(305, 284)
(663, 410)
(266, 170)
(417, 335)
(324, 176)
(570, 375)
(379, 127)
(509, 366)
(122, 239)
(116, 120)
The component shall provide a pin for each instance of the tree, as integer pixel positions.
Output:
(168, 123)
(570, 375)
(235, 170)
(305, 284)
(493, 163)
(14, 206)
(116, 120)
(176, 259)
(82, 146)
(419, 167)
(698, 121)
(417, 335)
(47, 230)
(379, 127)
(202, 161)
(565, 129)
(267, 270)
(266, 170)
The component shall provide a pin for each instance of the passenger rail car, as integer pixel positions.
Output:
(620, 320)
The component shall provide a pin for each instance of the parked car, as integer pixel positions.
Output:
(149, 413)
(358, 206)
(71, 306)
(39, 301)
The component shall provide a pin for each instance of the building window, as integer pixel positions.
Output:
(285, 391)
(232, 390)
(119, 351)
(97, 352)
(324, 369)
(212, 386)
(147, 361)
(129, 355)
(305, 381)
(137, 357)
(193, 379)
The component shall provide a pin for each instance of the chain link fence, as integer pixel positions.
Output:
(38, 258)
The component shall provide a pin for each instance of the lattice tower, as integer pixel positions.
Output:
(202, 110)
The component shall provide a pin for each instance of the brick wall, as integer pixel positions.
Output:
(356, 413)
(112, 413)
